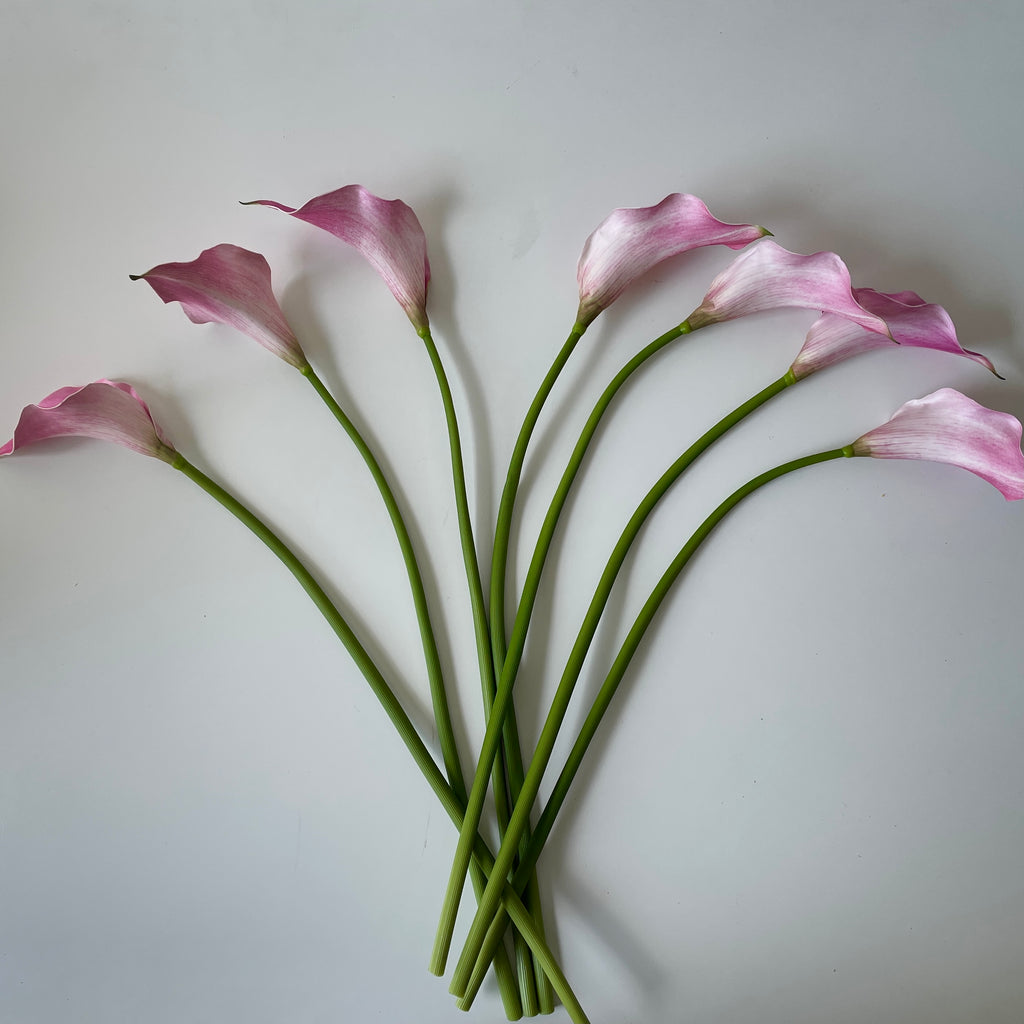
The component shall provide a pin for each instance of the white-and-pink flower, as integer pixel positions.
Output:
(949, 427)
(630, 242)
(229, 285)
(107, 410)
(911, 321)
(769, 277)
(385, 231)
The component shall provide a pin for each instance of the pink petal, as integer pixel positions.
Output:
(229, 285)
(770, 277)
(106, 409)
(385, 231)
(949, 427)
(911, 320)
(629, 242)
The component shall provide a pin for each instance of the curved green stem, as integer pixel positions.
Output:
(453, 806)
(503, 527)
(499, 569)
(507, 984)
(496, 767)
(529, 847)
(517, 638)
(439, 697)
(517, 642)
(469, 556)
(489, 901)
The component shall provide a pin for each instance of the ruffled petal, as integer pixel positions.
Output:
(629, 242)
(107, 410)
(911, 320)
(770, 277)
(385, 231)
(229, 285)
(949, 427)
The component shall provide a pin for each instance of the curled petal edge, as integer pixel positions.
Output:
(105, 409)
(912, 322)
(632, 240)
(767, 277)
(947, 426)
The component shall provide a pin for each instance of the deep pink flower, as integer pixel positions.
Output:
(229, 285)
(629, 242)
(949, 427)
(385, 231)
(911, 320)
(106, 409)
(770, 277)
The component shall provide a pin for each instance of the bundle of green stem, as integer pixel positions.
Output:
(505, 885)
(625, 245)
(520, 850)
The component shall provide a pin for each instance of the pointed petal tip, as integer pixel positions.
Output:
(267, 202)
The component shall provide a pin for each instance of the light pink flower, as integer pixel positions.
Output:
(229, 285)
(911, 320)
(385, 231)
(770, 277)
(629, 242)
(949, 427)
(106, 409)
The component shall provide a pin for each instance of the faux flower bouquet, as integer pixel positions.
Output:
(232, 286)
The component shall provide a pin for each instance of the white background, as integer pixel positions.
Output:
(807, 805)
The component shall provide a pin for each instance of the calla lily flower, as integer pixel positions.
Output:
(770, 277)
(229, 285)
(949, 427)
(385, 231)
(106, 409)
(630, 242)
(911, 320)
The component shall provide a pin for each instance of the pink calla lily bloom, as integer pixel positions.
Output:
(385, 231)
(630, 242)
(770, 277)
(107, 410)
(949, 427)
(911, 320)
(229, 285)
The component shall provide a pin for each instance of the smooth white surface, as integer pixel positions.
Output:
(808, 804)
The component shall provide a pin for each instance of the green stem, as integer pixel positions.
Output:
(503, 528)
(439, 697)
(489, 901)
(499, 568)
(453, 806)
(531, 586)
(507, 984)
(496, 767)
(517, 643)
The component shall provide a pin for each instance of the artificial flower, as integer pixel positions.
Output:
(770, 277)
(949, 427)
(629, 242)
(385, 231)
(229, 285)
(911, 320)
(106, 409)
